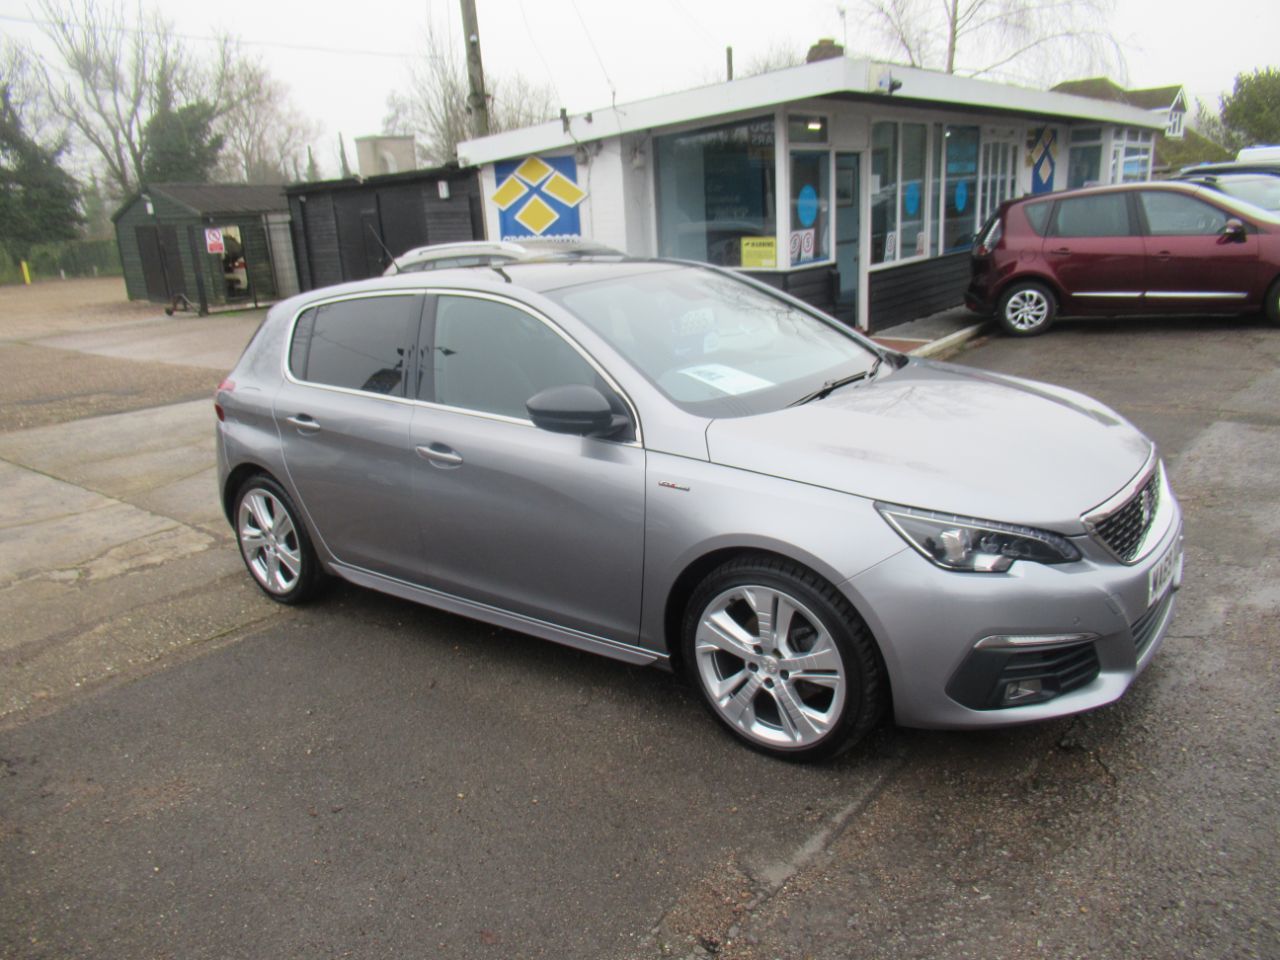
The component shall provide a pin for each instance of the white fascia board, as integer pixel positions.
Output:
(837, 75)
(823, 78)
(942, 88)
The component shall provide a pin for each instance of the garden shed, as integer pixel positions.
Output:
(212, 244)
(345, 229)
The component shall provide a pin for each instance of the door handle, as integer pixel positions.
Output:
(304, 423)
(440, 455)
(1060, 252)
(1163, 255)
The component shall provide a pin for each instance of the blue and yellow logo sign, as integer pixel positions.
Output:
(538, 197)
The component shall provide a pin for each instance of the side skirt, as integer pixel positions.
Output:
(625, 652)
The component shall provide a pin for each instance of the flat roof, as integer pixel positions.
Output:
(845, 77)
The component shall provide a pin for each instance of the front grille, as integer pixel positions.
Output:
(1145, 627)
(1124, 528)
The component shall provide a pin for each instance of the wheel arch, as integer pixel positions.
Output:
(236, 479)
(1043, 280)
(697, 569)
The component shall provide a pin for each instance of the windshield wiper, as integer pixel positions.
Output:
(833, 385)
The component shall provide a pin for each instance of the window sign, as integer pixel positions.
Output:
(213, 240)
(760, 252)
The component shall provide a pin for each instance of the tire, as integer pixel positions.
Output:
(1026, 309)
(748, 675)
(1271, 309)
(274, 543)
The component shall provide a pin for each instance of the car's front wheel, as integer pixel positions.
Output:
(274, 543)
(782, 659)
(1026, 309)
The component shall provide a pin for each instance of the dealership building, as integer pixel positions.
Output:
(855, 185)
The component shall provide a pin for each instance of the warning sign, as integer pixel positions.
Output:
(213, 240)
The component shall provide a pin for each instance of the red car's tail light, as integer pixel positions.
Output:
(990, 239)
(226, 386)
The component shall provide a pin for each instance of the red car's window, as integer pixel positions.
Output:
(1102, 215)
(1038, 215)
(1171, 215)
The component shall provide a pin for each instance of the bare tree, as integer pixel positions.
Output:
(1020, 38)
(21, 75)
(777, 56)
(433, 106)
(110, 77)
(265, 136)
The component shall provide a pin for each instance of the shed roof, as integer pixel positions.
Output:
(218, 199)
(423, 174)
(844, 78)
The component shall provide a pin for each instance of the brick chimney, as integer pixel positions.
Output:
(824, 49)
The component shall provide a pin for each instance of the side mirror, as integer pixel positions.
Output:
(1234, 231)
(575, 409)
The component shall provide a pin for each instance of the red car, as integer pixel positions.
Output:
(1139, 248)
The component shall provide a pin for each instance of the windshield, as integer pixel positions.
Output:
(713, 344)
(1261, 191)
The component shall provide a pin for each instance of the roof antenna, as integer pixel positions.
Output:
(497, 268)
(383, 246)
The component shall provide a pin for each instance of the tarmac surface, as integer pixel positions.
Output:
(188, 770)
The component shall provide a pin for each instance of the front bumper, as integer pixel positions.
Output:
(930, 621)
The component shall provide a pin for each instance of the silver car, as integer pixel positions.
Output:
(674, 465)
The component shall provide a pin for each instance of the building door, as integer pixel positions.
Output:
(161, 262)
(848, 229)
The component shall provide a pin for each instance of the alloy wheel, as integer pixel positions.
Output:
(769, 666)
(1027, 309)
(269, 541)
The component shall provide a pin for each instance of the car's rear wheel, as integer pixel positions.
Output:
(1026, 309)
(274, 543)
(782, 659)
(1272, 306)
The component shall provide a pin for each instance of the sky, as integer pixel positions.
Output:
(340, 67)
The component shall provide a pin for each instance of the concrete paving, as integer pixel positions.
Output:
(189, 770)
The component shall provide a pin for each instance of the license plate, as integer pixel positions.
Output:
(1162, 574)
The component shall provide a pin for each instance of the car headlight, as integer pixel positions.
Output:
(975, 546)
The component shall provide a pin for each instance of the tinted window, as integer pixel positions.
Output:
(359, 344)
(1038, 216)
(493, 357)
(1171, 215)
(1106, 215)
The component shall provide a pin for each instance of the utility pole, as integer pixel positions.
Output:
(476, 99)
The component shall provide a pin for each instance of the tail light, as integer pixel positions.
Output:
(991, 238)
(226, 386)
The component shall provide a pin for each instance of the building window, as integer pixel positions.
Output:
(806, 129)
(899, 191)
(999, 175)
(1084, 159)
(1175, 124)
(884, 192)
(716, 187)
(915, 159)
(810, 207)
(960, 191)
(1131, 156)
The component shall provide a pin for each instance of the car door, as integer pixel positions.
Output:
(543, 524)
(1193, 264)
(1095, 254)
(344, 417)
